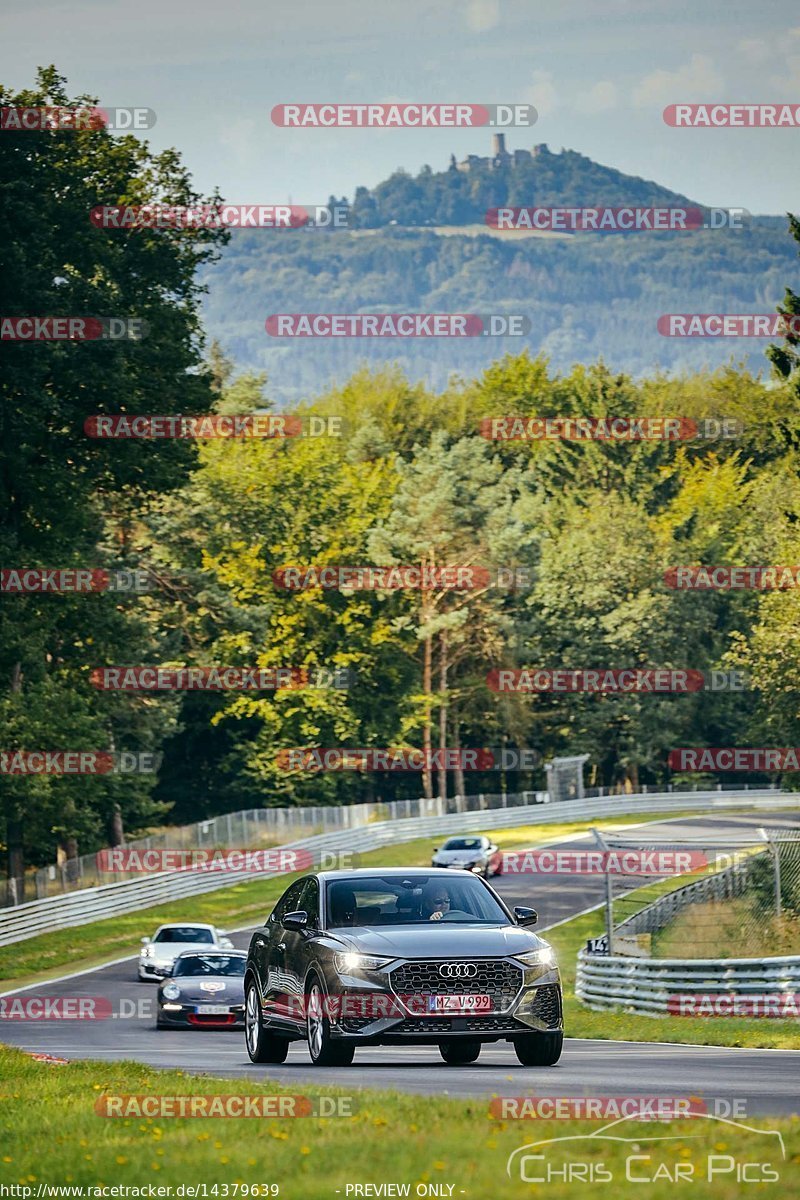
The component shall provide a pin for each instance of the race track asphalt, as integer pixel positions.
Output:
(767, 1081)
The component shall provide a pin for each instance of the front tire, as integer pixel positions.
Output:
(324, 1051)
(459, 1054)
(262, 1046)
(539, 1049)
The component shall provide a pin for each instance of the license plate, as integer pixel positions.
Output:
(459, 1004)
(213, 1009)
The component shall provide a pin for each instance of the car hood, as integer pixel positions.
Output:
(169, 951)
(224, 989)
(441, 939)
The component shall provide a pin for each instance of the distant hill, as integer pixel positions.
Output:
(462, 194)
(421, 245)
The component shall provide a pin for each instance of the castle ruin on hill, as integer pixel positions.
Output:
(500, 157)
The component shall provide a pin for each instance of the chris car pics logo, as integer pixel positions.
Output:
(624, 1151)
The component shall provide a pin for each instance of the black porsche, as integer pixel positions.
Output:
(400, 956)
(205, 989)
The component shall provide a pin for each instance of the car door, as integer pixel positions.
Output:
(303, 947)
(280, 1001)
(260, 942)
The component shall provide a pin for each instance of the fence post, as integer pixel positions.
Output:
(775, 854)
(601, 841)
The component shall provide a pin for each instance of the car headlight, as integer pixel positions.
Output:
(544, 957)
(148, 952)
(171, 991)
(350, 962)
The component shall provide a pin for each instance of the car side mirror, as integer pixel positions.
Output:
(526, 916)
(145, 941)
(435, 849)
(297, 921)
(226, 943)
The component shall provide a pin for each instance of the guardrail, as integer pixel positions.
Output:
(259, 828)
(265, 827)
(98, 903)
(659, 986)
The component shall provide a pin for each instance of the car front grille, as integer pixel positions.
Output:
(495, 977)
(546, 1006)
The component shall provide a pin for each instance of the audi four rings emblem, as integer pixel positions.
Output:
(458, 970)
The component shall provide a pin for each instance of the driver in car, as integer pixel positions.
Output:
(436, 901)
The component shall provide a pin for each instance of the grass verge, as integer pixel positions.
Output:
(51, 1134)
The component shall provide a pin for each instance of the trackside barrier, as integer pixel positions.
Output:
(109, 900)
(645, 986)
(261, 828)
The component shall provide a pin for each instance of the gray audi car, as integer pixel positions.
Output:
(399, 956)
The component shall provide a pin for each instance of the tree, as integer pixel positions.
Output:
(68, 499)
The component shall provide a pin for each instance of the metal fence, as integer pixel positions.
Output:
(110, 899)
(749, 906)
(746, 899)
(258, 828)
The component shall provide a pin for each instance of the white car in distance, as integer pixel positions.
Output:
(159, 952)
(470, 853)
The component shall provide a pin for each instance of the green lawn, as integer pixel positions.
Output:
(50, 1133)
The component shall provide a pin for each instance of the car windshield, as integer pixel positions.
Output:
(210, 964)
(184, 933)
(463, 844)
(413, 900)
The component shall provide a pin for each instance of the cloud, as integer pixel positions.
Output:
(542, 94)
(698, 80)
(786, 85)
(754, 50)
(483, 15)
(600, 98)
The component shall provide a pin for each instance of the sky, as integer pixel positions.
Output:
(599, 75)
